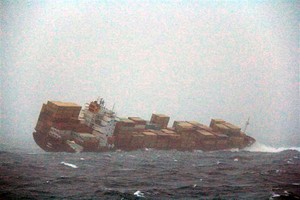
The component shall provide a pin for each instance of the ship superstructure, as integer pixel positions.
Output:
(102, 120)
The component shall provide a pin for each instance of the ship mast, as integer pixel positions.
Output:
(246, 125)
(113, 107)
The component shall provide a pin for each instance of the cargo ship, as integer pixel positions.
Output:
(68, 127)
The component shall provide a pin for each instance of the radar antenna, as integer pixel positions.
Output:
(246, 125)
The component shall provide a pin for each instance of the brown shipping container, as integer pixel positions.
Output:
(124, 124)
(204, 127)
(174, 141)
(184, 127)
(216, 121)
(203, 135)
(74, 121)
(160, 119)
(83, 128)
(137, 141)
(44, 116)
(123, 140)
(57, 105)
(44, 108)
(167, 131)
(188, 143)
(233, 129)
(139, 127)
(194, 123)
(125, 128)
(171, 129)
(138, 120)
(88, 141)
(42, 126)
(221, 128)
(150, 139)
(62, 110)
(176, 123)
(162, 140)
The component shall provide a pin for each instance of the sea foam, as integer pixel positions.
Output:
(259, 147)
(69, 164)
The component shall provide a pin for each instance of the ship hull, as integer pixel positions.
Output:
(49, 145)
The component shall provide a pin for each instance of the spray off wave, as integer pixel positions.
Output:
(259, 147)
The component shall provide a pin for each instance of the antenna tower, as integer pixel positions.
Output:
(246, 125)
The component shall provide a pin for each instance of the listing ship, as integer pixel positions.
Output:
(67, 127)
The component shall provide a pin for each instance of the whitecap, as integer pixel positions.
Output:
(127, 169)
(259, 147)
(290, 162)
(139, 194)
(274, 195)
(69, 164)
(236, 159)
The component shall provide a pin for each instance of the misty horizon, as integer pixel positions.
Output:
(191, 61)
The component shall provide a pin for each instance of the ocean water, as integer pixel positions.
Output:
(259, 172)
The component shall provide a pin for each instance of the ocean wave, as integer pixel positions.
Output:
(259, 147)
(69, 164)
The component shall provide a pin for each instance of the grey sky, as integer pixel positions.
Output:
(189, 60)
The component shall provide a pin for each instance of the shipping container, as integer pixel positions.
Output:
(150, 139)
(234, 130)
(162, 140)
(184, 127)
(221, 128)
(175, 123)
(87, 140)
(151, 126)
(137, 141)
(203, 135)
(160, 119)
(138, 120)
(168, 131)
(174, 141)
(216, 121)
